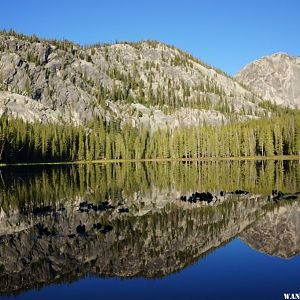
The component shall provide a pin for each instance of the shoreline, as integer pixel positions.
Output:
(114, 161)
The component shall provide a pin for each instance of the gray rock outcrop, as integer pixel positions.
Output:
(275, 77)
(146, 84)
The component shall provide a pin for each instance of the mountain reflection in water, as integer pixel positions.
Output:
(58, 224)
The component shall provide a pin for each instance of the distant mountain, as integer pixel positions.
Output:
(147, 84)
(275, 77)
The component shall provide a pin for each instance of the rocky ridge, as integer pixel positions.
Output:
(146, 84)
(274, 77)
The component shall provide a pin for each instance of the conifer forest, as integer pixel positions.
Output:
(35, 142)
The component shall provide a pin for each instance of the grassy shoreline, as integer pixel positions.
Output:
(104, 161)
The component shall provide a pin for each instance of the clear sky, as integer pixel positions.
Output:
(226, 34)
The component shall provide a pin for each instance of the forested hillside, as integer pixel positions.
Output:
(63, 102)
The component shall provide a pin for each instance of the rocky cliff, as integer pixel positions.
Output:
(275, 77)
(146, 84)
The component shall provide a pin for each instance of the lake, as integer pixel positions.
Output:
(140, 230)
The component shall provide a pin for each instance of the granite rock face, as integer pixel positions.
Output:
(275, 78)
(146, 83)
(20, 106)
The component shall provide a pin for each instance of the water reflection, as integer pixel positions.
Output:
(277, 232)
(58, 224)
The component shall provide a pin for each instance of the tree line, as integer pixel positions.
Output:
(21, 141)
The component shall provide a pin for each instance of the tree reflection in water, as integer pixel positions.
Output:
(59, 223)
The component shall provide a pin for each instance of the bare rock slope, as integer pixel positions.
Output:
(275, 78)
(145, 83)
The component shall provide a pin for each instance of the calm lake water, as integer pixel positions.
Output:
(128, 231)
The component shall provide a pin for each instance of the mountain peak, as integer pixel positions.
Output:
(280, 54)
(78, 84)
(274, 77)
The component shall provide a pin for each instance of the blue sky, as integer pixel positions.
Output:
(225, 34)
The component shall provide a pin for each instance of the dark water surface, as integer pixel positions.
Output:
(120, 231)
